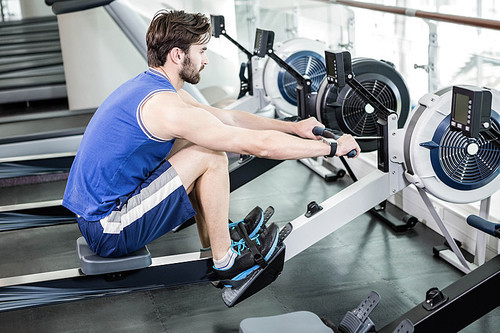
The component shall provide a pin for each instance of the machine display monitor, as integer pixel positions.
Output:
(470, 110)
(218, 25)
(264, 41)
(338, 67)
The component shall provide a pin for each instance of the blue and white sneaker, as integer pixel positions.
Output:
(249, 257)
(253, 222)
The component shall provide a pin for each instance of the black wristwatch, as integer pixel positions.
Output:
(333, 146)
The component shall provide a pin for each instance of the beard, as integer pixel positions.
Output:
(189, 73)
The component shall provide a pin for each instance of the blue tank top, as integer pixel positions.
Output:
(117, 152)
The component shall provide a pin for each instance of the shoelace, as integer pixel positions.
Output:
(241, 245)
(234, 224)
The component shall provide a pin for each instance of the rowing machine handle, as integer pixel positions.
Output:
(328, 133)
(484, 225)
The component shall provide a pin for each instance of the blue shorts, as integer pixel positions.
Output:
(157, 206)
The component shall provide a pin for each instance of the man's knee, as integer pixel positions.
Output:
(216, 159)
(202, 156)
(219, 156)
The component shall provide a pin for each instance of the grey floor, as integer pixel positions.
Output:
(329, 278)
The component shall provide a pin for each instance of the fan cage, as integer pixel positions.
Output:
(458, 168)
(306, 63)
(354, 112)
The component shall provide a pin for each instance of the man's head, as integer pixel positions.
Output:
(175, 29)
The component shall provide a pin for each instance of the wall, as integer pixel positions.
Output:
(34, 8)
(97, 57)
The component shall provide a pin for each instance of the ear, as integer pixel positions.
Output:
(176, 55)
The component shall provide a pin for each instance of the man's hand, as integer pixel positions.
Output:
(345, 144)
(304, 128)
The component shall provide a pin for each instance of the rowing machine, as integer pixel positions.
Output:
(416, 154)
(251, 97)
(305, 97)
(403, 161)
(441, 154)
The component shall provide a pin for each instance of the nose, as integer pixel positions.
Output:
(204, 61)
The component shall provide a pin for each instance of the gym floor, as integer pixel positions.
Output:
(329, 278)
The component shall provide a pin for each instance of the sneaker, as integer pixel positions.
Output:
(245, 262)
(252, 222)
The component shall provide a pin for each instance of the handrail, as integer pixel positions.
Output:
(457, 19)
(70, 6)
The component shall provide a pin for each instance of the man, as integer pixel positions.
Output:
(134, 179)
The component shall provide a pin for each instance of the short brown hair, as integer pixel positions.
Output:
(171, 28)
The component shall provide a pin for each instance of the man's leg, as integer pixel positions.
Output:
(199, 218)
(206, 172)
(201, 224)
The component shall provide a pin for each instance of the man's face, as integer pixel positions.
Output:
(193, 63)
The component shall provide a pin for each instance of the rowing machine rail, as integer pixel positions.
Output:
(352, 201)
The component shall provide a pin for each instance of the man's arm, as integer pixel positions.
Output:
(251, 121)
(167, 116)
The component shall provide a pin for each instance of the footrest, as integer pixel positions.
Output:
(406, 326)
(257, 280)
(92, 264)
(357, 320)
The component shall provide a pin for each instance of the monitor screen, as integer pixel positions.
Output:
(461, 108)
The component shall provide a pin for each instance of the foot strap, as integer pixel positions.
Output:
(256, 254)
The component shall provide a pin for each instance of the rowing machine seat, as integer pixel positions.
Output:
(300, 321)
(92, 264)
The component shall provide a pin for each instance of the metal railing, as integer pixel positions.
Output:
(457, 19)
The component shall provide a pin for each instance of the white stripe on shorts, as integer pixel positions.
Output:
(141, 203)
